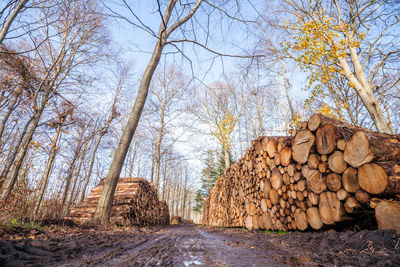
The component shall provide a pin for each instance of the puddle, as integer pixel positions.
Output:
(192, 263)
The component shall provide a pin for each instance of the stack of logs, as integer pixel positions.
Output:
(135, 203)
(327, 172)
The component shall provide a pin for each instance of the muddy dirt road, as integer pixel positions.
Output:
(191, 245)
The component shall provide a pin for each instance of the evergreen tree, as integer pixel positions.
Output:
(215, 167)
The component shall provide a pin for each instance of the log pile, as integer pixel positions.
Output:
(135, 203)
(325, 173)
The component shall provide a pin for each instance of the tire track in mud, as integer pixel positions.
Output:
(194, 245)
(153, 252)
(208, 248)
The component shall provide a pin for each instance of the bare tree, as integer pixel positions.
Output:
(7, 23)
(75, 46)
(112, 114)
(215, 109)
(57, 124)
(105, 202)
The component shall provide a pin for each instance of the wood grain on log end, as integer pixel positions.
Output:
(372, 178)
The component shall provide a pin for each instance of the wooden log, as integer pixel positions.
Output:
(314, 218)
(271, 148)
(329, 208)
(273, 195)
(285, 156)
(255, 222)
(392, 170)
(350, 180)
(249, 222)
(323, 167)
(315, 181)
(313, 161)
(357, 150)
(325, 139)
(314, 122)
(302, 143)
(333, 182)
(336, 162)
(301, 220)
(264, 206)
(351, 202)
(342, 194)
(372, 178)
(286, 179)
(267, 186)
(387, 215)
(362, 196)
(276, 179)
(301, 185)
(341, 144)
(266, 221)
(365, 146)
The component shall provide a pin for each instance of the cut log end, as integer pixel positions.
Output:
(372, 178)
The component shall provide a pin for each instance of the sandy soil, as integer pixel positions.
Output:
(192, 245)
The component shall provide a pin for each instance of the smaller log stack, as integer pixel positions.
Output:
(135, 203)
(325, 173)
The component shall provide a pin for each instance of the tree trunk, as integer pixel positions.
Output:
(227, 158)
(71, 171)
(158, 152)
(164, 180)
(153, 165)
(7, 115)
(92, 159)
(20, 156)
(103, 208)
(14, 153)
(48, 170)
(286, 85)
(364, 90)
(72, 194)
(10, 19)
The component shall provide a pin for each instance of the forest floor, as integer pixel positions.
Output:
(194, 245)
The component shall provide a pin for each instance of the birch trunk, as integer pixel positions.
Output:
(227, 160)
(364, 90)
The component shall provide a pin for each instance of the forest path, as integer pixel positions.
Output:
(188, 245)
(194, 245)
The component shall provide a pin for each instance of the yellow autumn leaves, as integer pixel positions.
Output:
(319, 42)
(224, 129)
